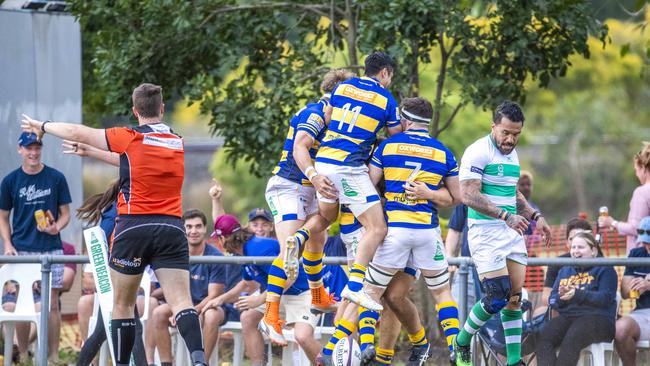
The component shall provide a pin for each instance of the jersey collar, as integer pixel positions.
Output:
(374, 80)
(418, 132)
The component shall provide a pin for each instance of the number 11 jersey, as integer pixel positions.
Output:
(360, 108)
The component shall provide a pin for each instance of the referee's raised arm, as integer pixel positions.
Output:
(94, 137)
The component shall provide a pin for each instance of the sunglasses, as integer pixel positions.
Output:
(643, 232)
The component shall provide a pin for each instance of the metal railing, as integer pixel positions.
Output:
(464, 266)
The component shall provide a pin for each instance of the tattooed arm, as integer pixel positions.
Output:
(470, 192)
(523, 208)
(471, 195)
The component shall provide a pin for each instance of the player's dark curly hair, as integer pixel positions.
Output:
(508, 109)
(377, 61)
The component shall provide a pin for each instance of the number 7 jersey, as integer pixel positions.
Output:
(413, 156)
(360, 108)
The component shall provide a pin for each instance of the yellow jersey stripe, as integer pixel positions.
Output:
(361, 95)
(332, 153)
(409, 216)
(364, 122)
(402, 174)
(419, 151)
(331, 135)
(401, 198)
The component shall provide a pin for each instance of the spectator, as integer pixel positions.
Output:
(639, 204)
(35, 188)
(207, 281)
(296, 300)
(585, 298)
(636, 326)
(260, 222)
(573, 227)
(525, 186)
(69, 270)
(101, 209)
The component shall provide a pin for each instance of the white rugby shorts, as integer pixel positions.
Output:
(414, 248)
(353, 185)
(290, 200)
(491, 244)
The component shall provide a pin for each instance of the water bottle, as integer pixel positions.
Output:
(603, 211)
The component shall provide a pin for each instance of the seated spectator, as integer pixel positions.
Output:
(585, 298)
(69, 270)
(573, 227)
(635, 285)
(296, 300)
(207, 281)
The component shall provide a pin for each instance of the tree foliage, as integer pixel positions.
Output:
(252, 64)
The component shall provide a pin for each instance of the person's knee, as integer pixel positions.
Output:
(625, 329)
(9, 306)
(247, 319)
(303, 335)
(161, 315)
(213, 318)
(498, 291)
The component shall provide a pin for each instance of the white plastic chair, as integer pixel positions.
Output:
(145, 284)
(597, 351)
(25, 275)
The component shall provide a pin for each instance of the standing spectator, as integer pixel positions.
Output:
(30, 188)
(639, 204)
(573, 227)
(207, 281)
(636, 285)
(585, 298)
(525, 186)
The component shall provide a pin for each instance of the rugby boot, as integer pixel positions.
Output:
(271, 325)
(419, 355)
(368, 355)
(361, 298)
(322, 302)
(291, 260)
(463, 355)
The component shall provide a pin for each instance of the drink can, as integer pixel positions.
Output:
(41, 221)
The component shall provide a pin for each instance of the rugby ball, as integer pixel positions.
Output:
(346, 353)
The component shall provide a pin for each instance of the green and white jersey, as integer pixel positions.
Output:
(498, 174)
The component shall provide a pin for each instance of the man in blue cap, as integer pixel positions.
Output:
(260, 222)
(39, 197)
(635, 285)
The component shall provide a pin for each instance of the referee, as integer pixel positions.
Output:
(148, 228)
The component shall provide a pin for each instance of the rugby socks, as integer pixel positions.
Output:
(343, 329)
(512, 324)
(448, 318)
(477, 317)
(313, 264)
(419, 338)
(367, 325)
(276, 280)
(384, 356)
(357, 275)
(187, 322)
(123, 335)
(301, 236)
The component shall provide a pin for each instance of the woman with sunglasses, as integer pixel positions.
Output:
(635, 285)
(639, 204)
(585, 298)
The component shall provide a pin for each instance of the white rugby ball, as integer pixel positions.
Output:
(346, 353)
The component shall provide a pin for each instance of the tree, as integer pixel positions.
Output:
(251, 65)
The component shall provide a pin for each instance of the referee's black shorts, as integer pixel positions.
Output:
(141, 240)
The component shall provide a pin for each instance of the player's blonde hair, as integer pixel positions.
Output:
(334, 77)
(642, 158)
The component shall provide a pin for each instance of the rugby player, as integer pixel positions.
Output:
(292, 199)
(148, 230)
(498, 217)
(359, 109)
(414, 166)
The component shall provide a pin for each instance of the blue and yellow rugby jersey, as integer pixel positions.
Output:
(360, 108)
(347, 222)
(413, 156)
(310, 119)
